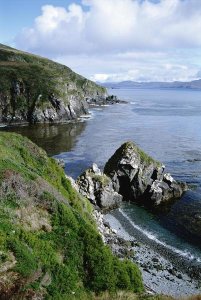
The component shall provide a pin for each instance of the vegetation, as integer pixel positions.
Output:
(27, 81)
(102, 179)
(122, 295)
(49, 244)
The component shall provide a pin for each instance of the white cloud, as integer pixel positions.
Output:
(115, 25)
(56, 31)
(138, 66)
(100, 77)
(136, 35)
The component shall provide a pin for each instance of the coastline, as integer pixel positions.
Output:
(160, 274)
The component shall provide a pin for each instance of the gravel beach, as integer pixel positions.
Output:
(163, 271)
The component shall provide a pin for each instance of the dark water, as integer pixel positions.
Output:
(54, 138)
(167, 125)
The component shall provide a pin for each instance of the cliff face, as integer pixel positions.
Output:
(49, 245)
(138, 177)
(35, 89)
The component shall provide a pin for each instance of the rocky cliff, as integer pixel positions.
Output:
(49, 244)
(35, 89)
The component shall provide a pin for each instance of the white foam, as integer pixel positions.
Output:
(153, 237)
(132, 102)
(85, 116)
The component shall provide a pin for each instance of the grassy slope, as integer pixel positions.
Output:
(49, 244)
(40, 76)
(13, 61)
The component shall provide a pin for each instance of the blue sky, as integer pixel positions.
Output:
(110, 40)
(17, 14)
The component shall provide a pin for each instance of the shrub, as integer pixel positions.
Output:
(72, 251)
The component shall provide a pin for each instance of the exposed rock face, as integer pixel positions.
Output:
(98, 188)
(34, 89)
(102, 100)
(137, 177)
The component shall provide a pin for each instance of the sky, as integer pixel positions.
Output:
(110, 40)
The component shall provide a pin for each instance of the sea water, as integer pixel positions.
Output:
(165, 123)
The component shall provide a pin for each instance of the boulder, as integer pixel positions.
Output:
(98, 188)
(138, 177)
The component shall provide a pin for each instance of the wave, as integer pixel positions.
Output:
(153, 237)
(132, 102)
(87, 116)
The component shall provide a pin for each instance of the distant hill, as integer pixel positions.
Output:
(195, 84)
(35, 89)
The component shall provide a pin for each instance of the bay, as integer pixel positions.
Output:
(164, 123)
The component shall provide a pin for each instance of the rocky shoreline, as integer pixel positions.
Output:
(101, 100)
(160, 275)
(132, 175)
(60, 113)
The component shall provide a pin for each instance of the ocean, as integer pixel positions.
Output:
(165, 123)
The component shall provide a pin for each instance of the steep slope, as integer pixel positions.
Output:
(36, 89)
(49, 244)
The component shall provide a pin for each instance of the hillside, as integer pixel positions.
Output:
(49, 245)
(35, 89)
(195, 84)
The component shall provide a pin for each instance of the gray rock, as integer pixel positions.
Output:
(60, 162)
(179, 276)
(138, 177)
(172, 272)
(106, 224)
(98, 188)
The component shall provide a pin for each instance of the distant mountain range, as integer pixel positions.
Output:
(195, 84)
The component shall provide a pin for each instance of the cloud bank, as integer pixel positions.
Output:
(147, 40)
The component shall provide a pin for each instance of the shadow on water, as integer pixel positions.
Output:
(54, 138)
(184, 217)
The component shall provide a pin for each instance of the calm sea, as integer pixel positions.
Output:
(164, 123)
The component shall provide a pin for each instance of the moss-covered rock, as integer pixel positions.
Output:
(49, 244)
(138, 177)
(35, 89)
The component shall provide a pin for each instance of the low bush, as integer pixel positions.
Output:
(71, 253)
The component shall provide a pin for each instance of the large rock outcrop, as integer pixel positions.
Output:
(98, 189)
(34, 89)
(138, 177)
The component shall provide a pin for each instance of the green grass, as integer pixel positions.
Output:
(38, 78)
(72, 252)
(102, 179)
